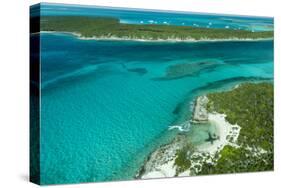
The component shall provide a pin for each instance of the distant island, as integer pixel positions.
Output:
(107, 28)
(243, 142)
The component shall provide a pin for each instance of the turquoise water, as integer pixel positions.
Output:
(138, 16)
(105, 105)
(101, 116)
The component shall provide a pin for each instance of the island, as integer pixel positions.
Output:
(242, 142)
(107, 28)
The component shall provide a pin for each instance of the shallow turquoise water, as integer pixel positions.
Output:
(106, 105)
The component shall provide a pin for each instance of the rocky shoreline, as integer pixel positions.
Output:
(200, 113)
(162, 162)
(165, 155)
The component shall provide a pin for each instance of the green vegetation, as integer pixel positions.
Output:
(110, 27)
(251, 107)
(182, 160)
(233, 160)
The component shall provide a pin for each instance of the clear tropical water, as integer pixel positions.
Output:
(105, 105)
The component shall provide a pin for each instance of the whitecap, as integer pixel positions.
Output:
(183, 127)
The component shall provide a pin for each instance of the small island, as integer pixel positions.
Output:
(243, 141)
(107, 28)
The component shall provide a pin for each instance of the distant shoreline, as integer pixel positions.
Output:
(171, 40)
(104, 28)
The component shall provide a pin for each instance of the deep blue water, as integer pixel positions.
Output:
(105, 105)
(139, 16)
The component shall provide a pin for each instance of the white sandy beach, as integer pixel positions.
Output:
(227, 135)
(171, 39)
(166, 170)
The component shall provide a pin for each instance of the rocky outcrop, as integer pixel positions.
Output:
(200, 113)
(156, 163)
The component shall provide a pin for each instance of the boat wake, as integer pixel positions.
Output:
(182, 127)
